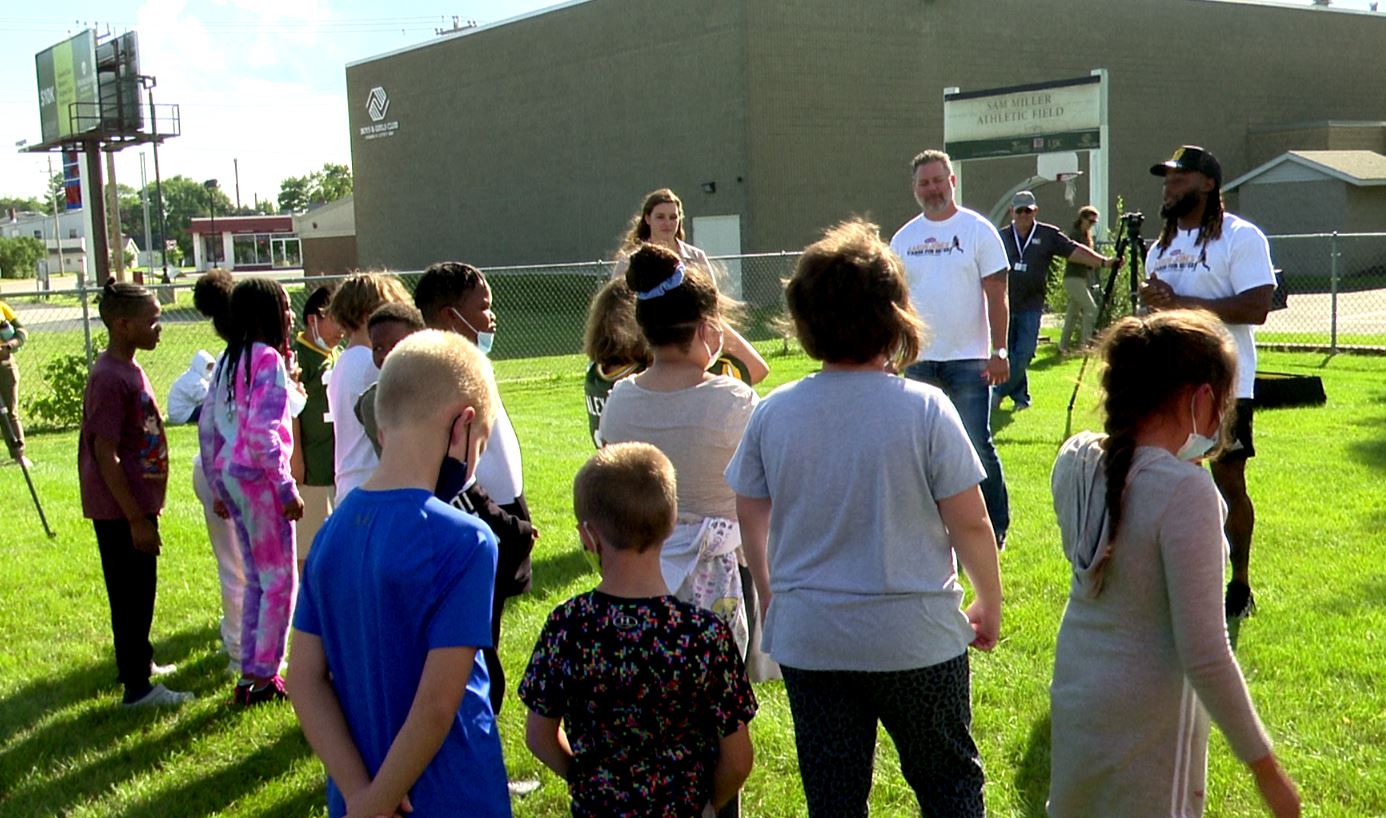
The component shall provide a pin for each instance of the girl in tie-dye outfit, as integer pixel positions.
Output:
(246, 438)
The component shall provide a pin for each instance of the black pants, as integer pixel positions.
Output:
(131, 577)
(928, 713)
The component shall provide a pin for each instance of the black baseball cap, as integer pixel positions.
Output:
(1191, 157)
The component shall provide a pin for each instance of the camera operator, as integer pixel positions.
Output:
(1031, 246)
(1207, 258)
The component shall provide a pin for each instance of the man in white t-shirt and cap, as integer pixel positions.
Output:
(1209, 259)
(956, 268)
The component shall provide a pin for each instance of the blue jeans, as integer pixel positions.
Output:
(1021, 343)
(962, 382)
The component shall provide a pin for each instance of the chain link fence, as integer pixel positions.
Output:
(1336, 286)
(541, 312)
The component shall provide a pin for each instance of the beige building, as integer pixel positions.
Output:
(533, 140)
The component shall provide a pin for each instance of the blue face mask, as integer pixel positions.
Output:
(452, 474)
(484, 340)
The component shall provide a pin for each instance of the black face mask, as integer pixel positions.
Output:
(452, 474)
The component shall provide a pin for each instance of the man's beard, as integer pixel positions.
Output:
(934, 203)
(1181, 207)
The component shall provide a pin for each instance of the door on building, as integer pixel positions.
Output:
(286, 252)
(721, 236)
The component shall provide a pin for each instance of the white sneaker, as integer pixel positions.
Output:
(160, 696)
(156, 670)
(521, 787)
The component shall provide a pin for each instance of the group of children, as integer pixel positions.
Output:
(706, 510)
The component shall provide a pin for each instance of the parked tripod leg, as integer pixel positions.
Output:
(13, 444)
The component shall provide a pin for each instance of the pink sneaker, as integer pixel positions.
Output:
(273, 691)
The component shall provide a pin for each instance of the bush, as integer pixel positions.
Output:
(61, 407)
(19, 256)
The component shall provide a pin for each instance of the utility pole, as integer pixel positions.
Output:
(57, 228)
(144, 200)
(112, 226)
(236, 165)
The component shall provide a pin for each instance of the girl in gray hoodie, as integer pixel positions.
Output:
(1143, 657)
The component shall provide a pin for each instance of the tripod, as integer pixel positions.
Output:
(1129, 241)
(16, 448)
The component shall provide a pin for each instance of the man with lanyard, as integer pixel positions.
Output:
(1207, 258)
(956, 268)
(1031, 246)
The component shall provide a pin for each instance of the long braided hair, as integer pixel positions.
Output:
(256, 312)
(1209, 227)
(1150, 361)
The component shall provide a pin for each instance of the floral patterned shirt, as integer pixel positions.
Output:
(645, 688)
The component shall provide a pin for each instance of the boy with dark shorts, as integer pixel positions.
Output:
(639, 701)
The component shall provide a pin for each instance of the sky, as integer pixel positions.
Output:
(261, 84)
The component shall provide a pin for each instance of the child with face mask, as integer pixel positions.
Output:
(396, 601)
(456, 297)
(696, 419)
(1143, 657)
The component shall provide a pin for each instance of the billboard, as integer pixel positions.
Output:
(67, 82)
(118, 67)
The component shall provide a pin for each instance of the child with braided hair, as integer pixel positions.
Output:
(1143, 656)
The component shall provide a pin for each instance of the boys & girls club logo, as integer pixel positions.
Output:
(377, 107)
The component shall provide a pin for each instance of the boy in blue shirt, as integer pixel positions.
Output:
(395, 605)
(637, 700)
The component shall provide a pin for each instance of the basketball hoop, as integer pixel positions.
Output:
(1070, 185)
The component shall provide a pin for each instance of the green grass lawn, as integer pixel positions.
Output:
(1313, 653)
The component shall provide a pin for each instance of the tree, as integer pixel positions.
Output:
(19, 256)
(31, 204)
(184, 199)
(298, 193)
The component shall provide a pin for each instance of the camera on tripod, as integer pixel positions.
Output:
(1133, 221)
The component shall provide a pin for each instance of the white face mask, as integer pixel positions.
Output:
(714, 354)
(1196, 445)
(484, 340)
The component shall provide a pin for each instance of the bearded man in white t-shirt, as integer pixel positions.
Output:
(1207, 258)
(956, 267)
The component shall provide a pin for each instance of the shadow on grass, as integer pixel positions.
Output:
(1371, 452)
(1032, 773)
(556, 569)
(71, 725)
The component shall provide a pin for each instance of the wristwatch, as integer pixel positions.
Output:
(1002, 353)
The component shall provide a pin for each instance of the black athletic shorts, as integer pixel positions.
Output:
(1239, 444)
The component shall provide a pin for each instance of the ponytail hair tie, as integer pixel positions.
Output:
(664, 286)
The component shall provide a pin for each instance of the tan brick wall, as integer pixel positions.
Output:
(533, 142)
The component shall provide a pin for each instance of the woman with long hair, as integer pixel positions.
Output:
(1143, 657)
(659, 221)
(1078, 284)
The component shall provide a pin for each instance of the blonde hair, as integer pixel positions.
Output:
(429, 370)
(359, 296)
(627, 491)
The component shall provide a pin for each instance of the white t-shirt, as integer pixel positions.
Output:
(498, 470)
(353, 456)
(1237, 261)
(945, 263)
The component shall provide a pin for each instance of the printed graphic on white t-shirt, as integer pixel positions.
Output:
(945, 262)
(1237, 261)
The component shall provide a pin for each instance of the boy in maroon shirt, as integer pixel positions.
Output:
(122, 462)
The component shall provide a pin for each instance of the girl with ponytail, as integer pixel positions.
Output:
(1143, 657)
(246, 440)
